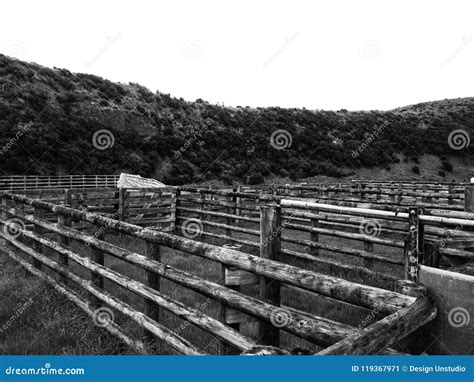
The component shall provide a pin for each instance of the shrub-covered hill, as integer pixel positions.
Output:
(56, 122)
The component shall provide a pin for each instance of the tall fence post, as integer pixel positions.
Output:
(123, 210)
(414, 242)
(368, 247)
(314, 237)
(233, 278)
(229, 200)
(152, 310)
(270, 248)
(38, 247)
(98, 256)
(63, 221)
(450, 194)
(431, 255)
(174, 209)
(5, 218)
(469, 198)
(202, 206)
(238, 201)
(67, 197)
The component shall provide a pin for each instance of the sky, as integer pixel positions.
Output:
(338, 54)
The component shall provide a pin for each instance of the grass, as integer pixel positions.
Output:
(50, 324)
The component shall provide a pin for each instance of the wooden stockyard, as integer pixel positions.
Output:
(400, 252)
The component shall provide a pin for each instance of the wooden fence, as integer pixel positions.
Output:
(370, 235)
(31, 238)
(380, 196)
(35, 182)
(367, 234)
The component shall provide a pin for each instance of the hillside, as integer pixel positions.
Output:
(49, 118)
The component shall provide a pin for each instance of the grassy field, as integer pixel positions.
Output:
(42, 322)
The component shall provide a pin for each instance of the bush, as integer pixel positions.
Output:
(445, 165)
(255, 179)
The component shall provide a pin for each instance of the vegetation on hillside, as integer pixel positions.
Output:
(48, 118)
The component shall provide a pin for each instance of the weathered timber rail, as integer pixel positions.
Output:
(405, 309)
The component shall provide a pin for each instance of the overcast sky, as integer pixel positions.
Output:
(314, 54)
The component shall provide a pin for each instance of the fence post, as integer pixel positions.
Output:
(174, 209)
(423, 190)
(202, 206)
(431, 255)
(153, 280)
(98, 256)
(469, 198)
(38, 231)
(5, 218)
(122, 204)
(413, 250)
(314, 237)
(67, 197)
(270, 248)
(400, 195)
(229, 221)
(368, 247)
(238, 201)
(227, 315)
(63, 221)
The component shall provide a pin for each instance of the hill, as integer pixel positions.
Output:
(55, 122)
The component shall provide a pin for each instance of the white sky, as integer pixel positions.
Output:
(314, 54)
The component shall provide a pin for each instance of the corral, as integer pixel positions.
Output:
(356, 268)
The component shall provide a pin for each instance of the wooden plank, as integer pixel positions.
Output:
(270, 248)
